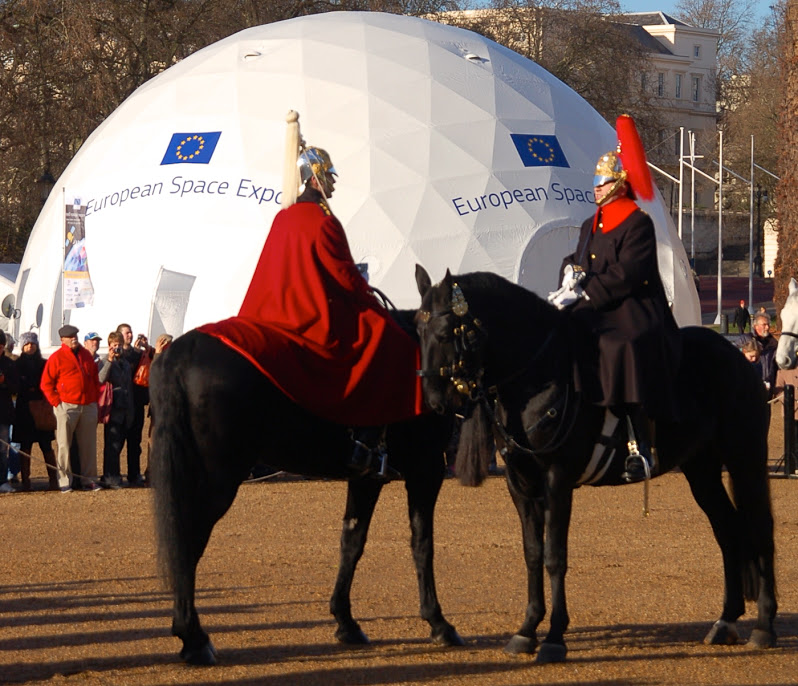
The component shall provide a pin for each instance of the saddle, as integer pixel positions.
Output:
(612, 445)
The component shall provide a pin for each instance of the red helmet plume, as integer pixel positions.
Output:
(633, 158)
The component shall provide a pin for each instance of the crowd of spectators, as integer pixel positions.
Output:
(56, 399)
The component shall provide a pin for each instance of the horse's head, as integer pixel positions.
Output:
(451, 341)
(786, 356)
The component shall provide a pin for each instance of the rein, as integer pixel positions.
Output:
(556, 442)
(473, 385)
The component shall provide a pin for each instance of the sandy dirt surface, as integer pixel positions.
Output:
(81, 601)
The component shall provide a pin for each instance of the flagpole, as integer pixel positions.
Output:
(63, 257)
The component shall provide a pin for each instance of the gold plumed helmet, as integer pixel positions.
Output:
(314, 162)
(609, 168)
(301, 163)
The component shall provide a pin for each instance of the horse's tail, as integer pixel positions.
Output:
(750, 491)
(172, 474)
(476, 447)
(752, 499)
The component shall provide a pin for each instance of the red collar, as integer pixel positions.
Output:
(612, 215)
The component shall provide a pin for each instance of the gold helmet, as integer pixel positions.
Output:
(609, 168)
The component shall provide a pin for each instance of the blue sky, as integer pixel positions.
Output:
(667, 6)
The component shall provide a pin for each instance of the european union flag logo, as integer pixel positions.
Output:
(539, 151)
(191, 148)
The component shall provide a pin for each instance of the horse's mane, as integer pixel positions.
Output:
(494, 297)
(406, 321)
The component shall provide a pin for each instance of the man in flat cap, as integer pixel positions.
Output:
(70, 382)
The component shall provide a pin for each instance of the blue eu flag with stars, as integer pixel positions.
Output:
(191, 148)
(537, 150)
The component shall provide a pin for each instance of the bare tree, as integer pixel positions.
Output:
(787, 190)
(732, 20)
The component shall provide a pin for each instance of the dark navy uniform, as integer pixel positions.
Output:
(636, 345)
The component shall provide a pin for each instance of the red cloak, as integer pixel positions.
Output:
(310, 322)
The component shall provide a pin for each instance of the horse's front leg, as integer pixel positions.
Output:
(559, 499)
(530, 507)
(422, 494)
(361, 499)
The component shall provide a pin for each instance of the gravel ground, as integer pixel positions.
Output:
(81, 602)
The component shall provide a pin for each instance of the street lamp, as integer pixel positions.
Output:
(760, 194)
(45, 184)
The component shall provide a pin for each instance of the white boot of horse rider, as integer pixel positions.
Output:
(641, 460)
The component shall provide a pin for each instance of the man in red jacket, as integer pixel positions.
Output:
(70, 383)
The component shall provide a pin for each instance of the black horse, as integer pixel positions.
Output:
(505, 357)
(214, 416)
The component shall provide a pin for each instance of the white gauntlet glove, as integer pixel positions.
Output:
(570, 291)
(566, 296)
(567, 276)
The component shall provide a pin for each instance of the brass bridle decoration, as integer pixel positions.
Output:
(465, 335)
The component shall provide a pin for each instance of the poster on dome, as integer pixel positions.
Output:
(78, 289)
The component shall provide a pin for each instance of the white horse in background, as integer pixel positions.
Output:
(787, 352)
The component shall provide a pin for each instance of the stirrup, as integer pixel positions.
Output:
(361, 459)
(371, 462)
(636, 466)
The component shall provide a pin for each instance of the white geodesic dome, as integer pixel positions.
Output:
(453, 152)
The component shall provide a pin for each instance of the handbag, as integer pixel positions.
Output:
(142, 375)
(104, 402)
(43, 416)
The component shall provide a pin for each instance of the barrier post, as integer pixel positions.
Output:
(724, 324)
(789, 431)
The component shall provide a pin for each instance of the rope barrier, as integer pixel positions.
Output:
(49, 467)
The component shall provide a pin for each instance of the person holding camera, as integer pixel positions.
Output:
(114, 369)
(133, 353)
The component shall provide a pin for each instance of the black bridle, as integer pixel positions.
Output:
(468, 378)
(469, 337)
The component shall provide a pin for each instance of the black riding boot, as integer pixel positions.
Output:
(640, 463)
(369, 457)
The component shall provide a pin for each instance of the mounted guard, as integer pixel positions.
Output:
(612, 285)
(313, 325)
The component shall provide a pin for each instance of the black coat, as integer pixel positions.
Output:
(741, 317)
(636, 344)
(29, 371)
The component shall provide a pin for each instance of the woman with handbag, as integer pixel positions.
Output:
(29, 366)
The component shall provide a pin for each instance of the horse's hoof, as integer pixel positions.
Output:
(722, 633)
(448, 636)
(521, 644)
(204, 656)
(762, 639)
(352, 636)
(549, 653)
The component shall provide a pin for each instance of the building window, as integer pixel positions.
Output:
(696, 51)
(660, 84)
(678, 85)
(696, 88)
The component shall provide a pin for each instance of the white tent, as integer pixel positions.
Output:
(452, 151)
(8, 279)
